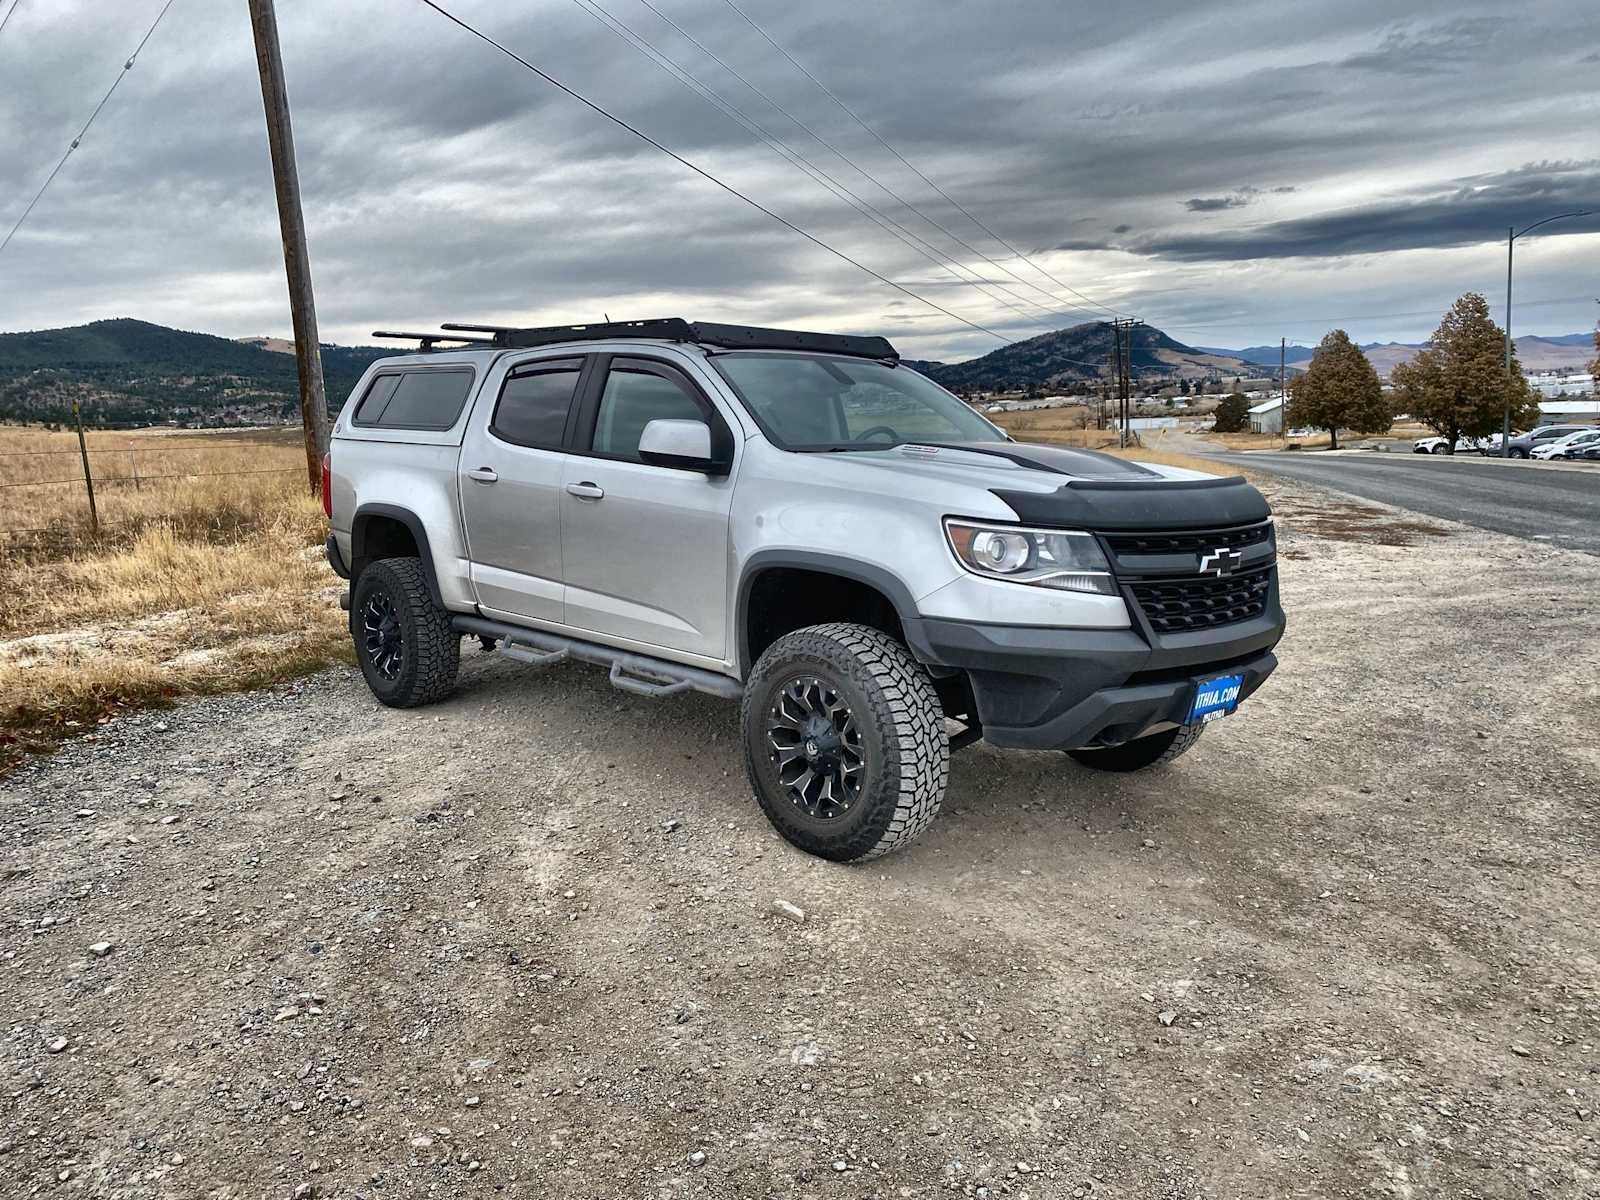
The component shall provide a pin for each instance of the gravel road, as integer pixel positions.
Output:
(525, 943)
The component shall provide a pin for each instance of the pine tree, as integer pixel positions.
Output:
(1458, 384)
(1233, 414)
(1339, 390)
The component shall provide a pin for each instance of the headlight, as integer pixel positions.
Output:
(1053, 558)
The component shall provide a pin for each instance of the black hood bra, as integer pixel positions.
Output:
(1110, 494)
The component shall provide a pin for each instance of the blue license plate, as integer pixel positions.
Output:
(1215, 698)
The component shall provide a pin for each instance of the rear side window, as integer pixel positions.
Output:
(429, 399)
(534, 403)
(632, 399)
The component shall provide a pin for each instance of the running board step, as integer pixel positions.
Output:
(641, 685)
(527, 654)
(637, 673)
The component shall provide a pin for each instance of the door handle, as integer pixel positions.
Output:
(483, 474)
(585, 490)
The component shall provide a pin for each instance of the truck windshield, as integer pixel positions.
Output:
(818, 403)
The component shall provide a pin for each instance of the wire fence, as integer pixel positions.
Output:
(116, 470)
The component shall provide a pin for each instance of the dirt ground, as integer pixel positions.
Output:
(523, 943)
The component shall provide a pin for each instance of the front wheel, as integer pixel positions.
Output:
(1439, 450)
(407, 650)
(844, 741)
(1151, 751)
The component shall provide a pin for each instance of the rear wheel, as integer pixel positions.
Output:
(1151, 751)
(844, 741)
(407, 650)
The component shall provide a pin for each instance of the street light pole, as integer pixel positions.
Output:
(1511, 243)
(1505, 422)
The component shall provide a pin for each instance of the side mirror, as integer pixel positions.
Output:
(682, 444)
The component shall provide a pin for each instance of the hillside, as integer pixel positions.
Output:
(1082, 354)
(1265, 356)
(127, 372)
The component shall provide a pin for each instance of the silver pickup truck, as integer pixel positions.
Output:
(799, 522)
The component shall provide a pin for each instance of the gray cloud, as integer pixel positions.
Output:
(1470, 211)
(1215, 203)
(1442, 46)
(443, 182)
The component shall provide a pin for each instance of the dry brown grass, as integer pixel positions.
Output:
(1057, 426)
(205, 576)
(1260, 441)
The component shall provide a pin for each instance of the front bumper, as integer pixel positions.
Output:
(1038, 688)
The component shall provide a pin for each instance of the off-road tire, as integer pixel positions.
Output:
(431, 651)
(905, 749)
(1155, 750)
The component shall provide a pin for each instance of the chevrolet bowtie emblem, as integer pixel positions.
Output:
(1221, 561)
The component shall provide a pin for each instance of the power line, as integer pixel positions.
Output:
(872, 179)
(11, 12)
(702, 172)
(849, 112)
(798, 160)
(115, 83)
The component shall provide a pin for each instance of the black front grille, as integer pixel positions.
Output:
(1202, 601)
(1198, 542)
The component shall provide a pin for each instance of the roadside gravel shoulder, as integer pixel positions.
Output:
(527, 941)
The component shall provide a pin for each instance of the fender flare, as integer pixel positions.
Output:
(419, 534)
(871, 574)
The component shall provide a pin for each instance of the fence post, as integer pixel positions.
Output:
(133, 466)
(88, 479)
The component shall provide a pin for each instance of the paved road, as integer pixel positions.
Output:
(1547, 504)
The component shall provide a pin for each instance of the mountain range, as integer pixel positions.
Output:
(125, 372)
(1564, 352)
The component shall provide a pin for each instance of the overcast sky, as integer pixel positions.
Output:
(1231, 172)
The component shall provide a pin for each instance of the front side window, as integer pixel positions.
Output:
(820, 402)
(424, 399)
(634, 397)
(534, 403)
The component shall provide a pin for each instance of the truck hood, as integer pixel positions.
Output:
(1068, 488)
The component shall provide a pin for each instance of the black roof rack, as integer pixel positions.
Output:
(429, 340)
(671, 329)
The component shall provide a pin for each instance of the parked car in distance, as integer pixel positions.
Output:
(1587, 453)
(798, 522)
(1439, 445)
(1563, 447)
(1523, 447)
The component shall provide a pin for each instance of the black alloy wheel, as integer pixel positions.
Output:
(815, 746)
(405, 646)
(844, 741)
(380, 635)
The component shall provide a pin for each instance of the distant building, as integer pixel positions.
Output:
(1562, 385)
(1574, 411)
(1267, 417)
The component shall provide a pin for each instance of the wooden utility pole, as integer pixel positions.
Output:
(296, 258)
(1283, 389)
(1122, 371)
(1116, 379)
